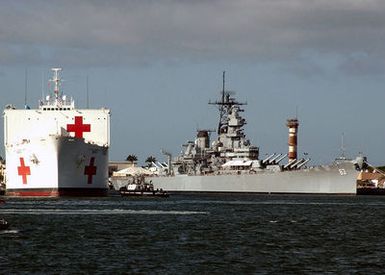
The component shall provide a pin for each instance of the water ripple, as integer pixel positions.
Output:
(194, 234)
(42, 211)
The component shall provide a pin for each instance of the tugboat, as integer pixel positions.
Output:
(137, 186)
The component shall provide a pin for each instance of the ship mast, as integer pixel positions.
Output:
(56, 80)
(224, 105)
(343, 149)
(221, 107)
(57, 101)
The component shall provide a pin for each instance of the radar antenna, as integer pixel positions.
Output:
(221, 106)
(56, 79)
(25, 88)
(88, 97)
(224, 105)
(343, 149)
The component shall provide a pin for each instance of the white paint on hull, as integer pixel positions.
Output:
(52, 157)
(57, 162)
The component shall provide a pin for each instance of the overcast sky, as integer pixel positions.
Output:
(156, 64)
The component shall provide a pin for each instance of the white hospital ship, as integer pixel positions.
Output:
(56, 149)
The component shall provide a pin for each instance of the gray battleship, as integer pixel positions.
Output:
(232, 164)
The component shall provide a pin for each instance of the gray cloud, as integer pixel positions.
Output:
(100, 33)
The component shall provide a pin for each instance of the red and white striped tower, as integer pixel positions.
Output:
(292, 124)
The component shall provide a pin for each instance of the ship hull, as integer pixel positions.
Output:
(339, 178)
(57, 192)
(57, 166)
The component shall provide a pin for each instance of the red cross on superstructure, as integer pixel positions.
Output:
(79, 128)
(90, 170)
(23, 171)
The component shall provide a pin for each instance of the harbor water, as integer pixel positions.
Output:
(248, 234)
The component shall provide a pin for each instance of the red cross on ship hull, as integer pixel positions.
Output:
(78, 128)
(90, 170)
(23, 170)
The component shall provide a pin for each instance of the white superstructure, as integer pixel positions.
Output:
(56, 149)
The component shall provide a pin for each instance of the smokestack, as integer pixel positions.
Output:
(203, 139)
(292, 124)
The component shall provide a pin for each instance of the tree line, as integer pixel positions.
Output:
(133, 158)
